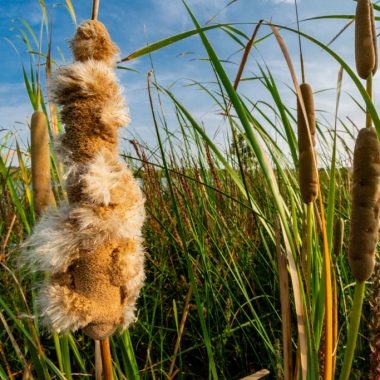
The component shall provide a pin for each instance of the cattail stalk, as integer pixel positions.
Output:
(366, 189)
(94, 270)
(309, 242)
(353, 330)
(106, 359)
(364, 228)
(40, 153)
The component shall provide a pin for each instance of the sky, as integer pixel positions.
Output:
(134, 23)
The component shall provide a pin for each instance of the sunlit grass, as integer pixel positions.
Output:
(223, 224)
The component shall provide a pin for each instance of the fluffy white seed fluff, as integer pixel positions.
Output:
(109, 182)
(62, 310)
(115, 112)
(53, 246)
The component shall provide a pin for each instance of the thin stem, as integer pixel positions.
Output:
(328, 295)
(95, 9)
(106, 359)
(300, 45)
(309, 243)
(98, 361)
(66, 357)
(353, 329)
(369, 92)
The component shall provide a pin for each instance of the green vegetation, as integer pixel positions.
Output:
(234, 256)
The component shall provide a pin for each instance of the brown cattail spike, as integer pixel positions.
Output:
(365, 39)
(365, 204)
(308, 175)
(40, 162)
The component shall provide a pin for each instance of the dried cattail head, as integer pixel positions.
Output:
(365, 204)
(92, 247)
(308, 175)
(97, 276)
(92, 41)
(365, 39)
(40, 162)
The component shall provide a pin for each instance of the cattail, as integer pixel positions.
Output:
(91, 247)
(308, 175)
(365, 204)
(365, 39)
(40, 162)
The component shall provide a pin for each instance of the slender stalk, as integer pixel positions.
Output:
(58, 351)
(368, 120)
(300, 45)
(180, 332)
(66, 357)
(328, 298)
(353, 330)
(335, 320)
(95, 9)
(106, 359)
(98, 361)
(309, 242)
(285, 307)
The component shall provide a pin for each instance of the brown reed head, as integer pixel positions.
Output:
(365, 204)
(40, 153)
(365, 39)
(308, 175)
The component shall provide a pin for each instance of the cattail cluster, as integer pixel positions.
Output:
(91, 246)
(308, 174)
(365, 39)
(365, 204)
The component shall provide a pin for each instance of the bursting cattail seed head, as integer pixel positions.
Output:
(365, 39)
(91, 247)
(365, 204)
(308, 175)
(40, 153)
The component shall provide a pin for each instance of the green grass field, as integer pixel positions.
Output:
(235, 261)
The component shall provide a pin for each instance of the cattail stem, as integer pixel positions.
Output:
(95, 9)
(369, 91)
(98, 361)
(335, 321)
(328, 351)
(309, 242)
(353, 330)
(300, 45)
(106, 359)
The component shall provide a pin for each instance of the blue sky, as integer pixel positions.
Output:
(133, 23)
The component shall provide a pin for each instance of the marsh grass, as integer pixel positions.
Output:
(224, 229)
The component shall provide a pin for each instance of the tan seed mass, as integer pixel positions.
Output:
(91, 247)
